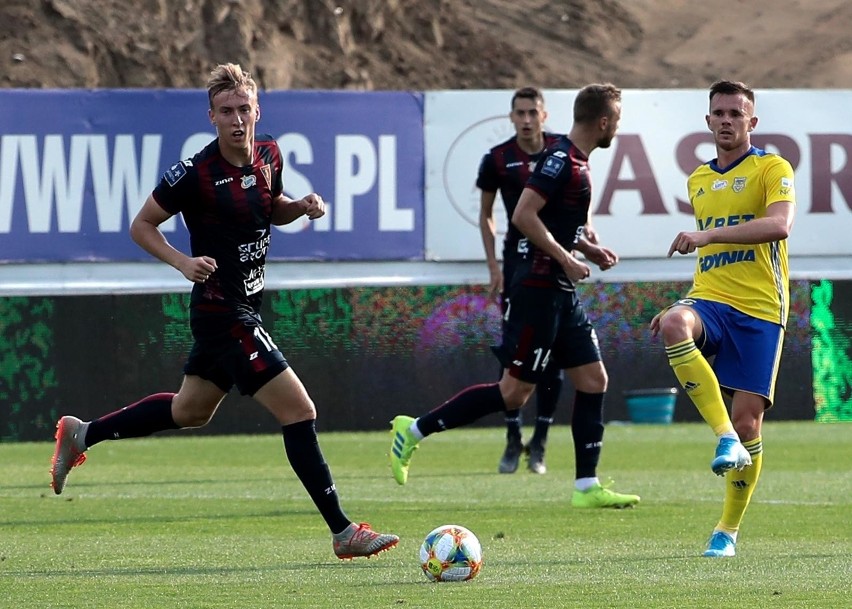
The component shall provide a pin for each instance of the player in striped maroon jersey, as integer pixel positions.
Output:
(545, 319)
(229, 195)
(505, 168)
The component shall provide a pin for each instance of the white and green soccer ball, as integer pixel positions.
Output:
(451, 553)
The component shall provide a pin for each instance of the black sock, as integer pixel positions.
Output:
(306, 459)
(587, 429)
(462, 409)
(547, 393)
(513, 425)
(148, 415)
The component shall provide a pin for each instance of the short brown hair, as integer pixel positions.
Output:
(229, 77)
(731, 87)
(594, 101)
(533, 93)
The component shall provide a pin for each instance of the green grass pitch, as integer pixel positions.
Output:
(208, 522)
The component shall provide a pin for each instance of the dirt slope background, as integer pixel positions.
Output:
(427, 44)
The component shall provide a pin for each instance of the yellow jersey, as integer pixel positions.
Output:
(752, 278)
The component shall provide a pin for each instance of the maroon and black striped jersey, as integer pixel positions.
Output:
(562, 178)
(506, 168)
(227, 211)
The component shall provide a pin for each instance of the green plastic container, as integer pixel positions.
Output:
(651, 405)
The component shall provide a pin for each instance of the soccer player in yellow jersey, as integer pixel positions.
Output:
(743, 202)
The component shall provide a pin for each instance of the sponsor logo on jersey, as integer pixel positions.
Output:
(700, 192)
(786, 183)
(223, 181)
(720, 259)
(732, 220)
(248, 181)
(739, 184)
(719, 184)
(255, 250)
(254, 286)
(254, 282)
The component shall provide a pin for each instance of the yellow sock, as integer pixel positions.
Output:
(697, 378)
(739, 487)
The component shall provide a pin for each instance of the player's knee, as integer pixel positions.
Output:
(192, 419)
(191, 415)
(746, 429)
(287, 413)
(675, 326)
(515, 394)
(308, 411)
(515, 400)
(594, 381)
(747, 421)
(590, 378)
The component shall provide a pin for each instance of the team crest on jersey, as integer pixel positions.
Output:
(739, 184)
(552, 166)
(248, 181)
(266, 170)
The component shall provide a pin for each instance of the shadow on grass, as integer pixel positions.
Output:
(133, 483)
(158, 518)
(172, 571)
(286, 478)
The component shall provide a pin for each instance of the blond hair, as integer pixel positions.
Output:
(229, 77)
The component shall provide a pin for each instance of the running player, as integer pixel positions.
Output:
(229, 194)
(545, 319)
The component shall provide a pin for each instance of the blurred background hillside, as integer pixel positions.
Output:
(426, 44)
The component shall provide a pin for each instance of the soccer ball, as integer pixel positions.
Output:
(450, 553)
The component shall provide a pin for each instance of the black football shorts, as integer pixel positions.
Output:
(233, 349)
(545, 326)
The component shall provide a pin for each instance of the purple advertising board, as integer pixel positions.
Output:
(76, 165)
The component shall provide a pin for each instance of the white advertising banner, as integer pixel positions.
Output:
(639, 183)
